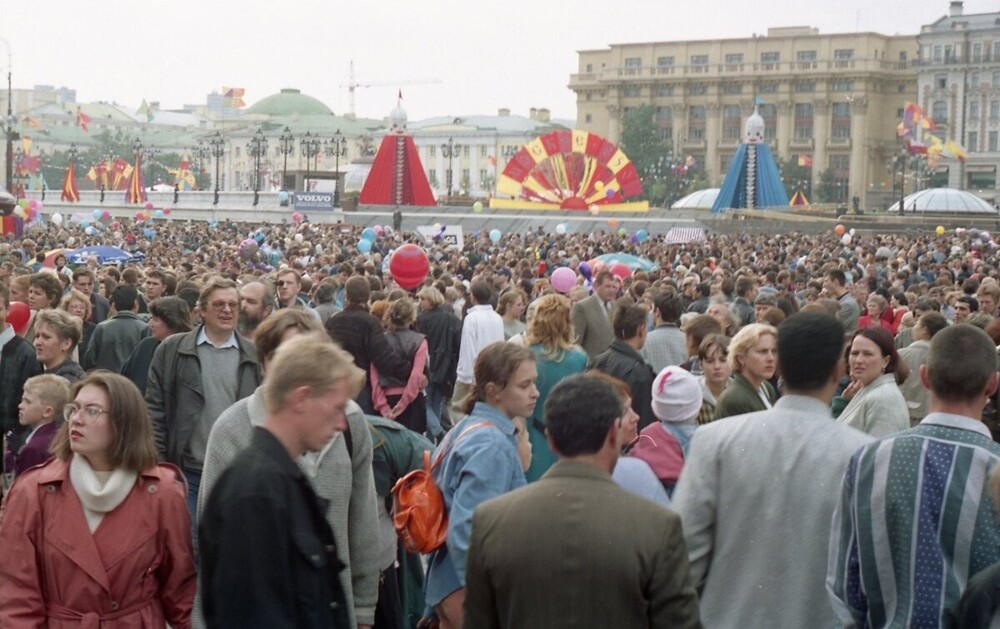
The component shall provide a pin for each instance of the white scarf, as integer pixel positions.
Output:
(99, 492)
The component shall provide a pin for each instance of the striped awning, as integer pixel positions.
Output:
(682, 235)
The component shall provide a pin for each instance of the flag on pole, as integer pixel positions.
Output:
(32, 122)
(233, 97)
(82, 120)
(135, 192)
(144, 110)
(806, 161)
(70, 191)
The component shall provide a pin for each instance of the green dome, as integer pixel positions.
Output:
(289, 102)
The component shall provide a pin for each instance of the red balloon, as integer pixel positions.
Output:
(409, 266)
(18, 316)
(620, 270)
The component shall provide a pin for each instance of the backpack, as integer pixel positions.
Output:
(419, 514)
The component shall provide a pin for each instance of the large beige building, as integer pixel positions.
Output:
(834, 98)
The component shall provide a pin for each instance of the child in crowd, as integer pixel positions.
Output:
(40, 409)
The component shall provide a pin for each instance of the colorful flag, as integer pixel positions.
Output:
(233, 97)
(82, 120)
(806, 161)
(135, 192)
(144, 110)
(956, 149)
(492, 160)
(70, 191)
(32, 122)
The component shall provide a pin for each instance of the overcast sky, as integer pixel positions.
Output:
(486, 55)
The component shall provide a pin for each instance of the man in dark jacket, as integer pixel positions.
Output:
(17, 364)
(623, 360)
(292, 580)
(112, 341)
(437, 321)
(361, 334)
(84, 281)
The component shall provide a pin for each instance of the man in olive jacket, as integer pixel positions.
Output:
(610, 558)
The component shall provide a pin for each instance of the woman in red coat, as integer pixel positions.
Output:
(100, 535)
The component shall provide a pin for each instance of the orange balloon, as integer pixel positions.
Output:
(612, 223)
(839, 230)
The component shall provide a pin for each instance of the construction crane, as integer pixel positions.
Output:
(353, 85)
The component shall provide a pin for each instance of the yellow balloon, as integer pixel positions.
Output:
(599, 185)
(939, 230)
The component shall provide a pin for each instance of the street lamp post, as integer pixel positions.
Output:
(218, 149)
(337, 146)
(311, 146)
(257, 148)
(449, 151)
(286, 146)
(150, 154)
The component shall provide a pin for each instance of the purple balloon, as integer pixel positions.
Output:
(585, 270)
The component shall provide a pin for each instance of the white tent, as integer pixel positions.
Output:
(702, 199)
(944, 200)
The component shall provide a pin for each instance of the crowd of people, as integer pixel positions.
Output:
(764, 430)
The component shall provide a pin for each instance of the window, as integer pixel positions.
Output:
(590, 67)
(939, 112)
(664, 114)
(770, 115)
(974, 80)
(840, 121)
(973, 144)
(665, 90)
(699, 60)
(996, 50)
(465, 151)
(803, 121)
(667, 134)
(697, 90)
(631, 91)
(465, 176)
(664, 117)
(840, 162)
(949, 53)
(805, 86)
(696, 122)
(732, 89)
(974, 110)
(901, 88)
(483, 151)
(627, 110)
(937, 54)
(432, 175)
(433, 150)
(633, 62)
(482, 176)
(843, 53)
(995, 109)
(732, 122)
(664, 62)
(805, 55)
(993, 141)
(842, 86)
(996, 78)
(940, 81)
(977, 52)
(767, 88)
(734, 58)
(770, 57)
(588, 118)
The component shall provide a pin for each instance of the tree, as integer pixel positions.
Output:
(641, 142)
(826, 191)
(795, 177)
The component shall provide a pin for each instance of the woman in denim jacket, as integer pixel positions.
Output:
(483, 458)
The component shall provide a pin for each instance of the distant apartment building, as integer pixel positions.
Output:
(958, 78)
(834, 98)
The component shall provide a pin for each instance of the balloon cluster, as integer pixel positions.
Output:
(28, 209)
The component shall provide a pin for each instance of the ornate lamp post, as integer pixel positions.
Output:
(337, 147)
(257, 148)
(450, 151)
(311, 147)
(217, 149)
(150, 154)
(286, 146)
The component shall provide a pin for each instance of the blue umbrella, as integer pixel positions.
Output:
(635, 263)
(104, 255)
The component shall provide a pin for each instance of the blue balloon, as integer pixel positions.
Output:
(642, 235)
(85, 223)
(364, 246)
(283, 196)
(259, 237)
(213, 223)
(495, 235)
(149, 232)
(96, 214)
(159, 214)
(369, 234)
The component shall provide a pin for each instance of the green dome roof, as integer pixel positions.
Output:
(289, 102)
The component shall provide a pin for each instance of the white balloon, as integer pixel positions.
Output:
(298, 237)
(57, 219)
(560, 229)
(846, 239)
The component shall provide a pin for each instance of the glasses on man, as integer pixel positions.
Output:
(220, 306)
(90, 411)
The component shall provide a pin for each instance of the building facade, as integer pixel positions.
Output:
(958, 78)
(833, 100)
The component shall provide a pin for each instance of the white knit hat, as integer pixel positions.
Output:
(676, 395)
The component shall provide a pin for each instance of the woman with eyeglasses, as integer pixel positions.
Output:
(100, 534)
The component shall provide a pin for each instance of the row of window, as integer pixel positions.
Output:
(700, 89)
(484, 177)
(732, 121)
(978, 52)
(840, 54)
(464, 150)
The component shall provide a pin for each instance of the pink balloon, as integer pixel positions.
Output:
(563, 279)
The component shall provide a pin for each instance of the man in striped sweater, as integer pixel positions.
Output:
(915, 519)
